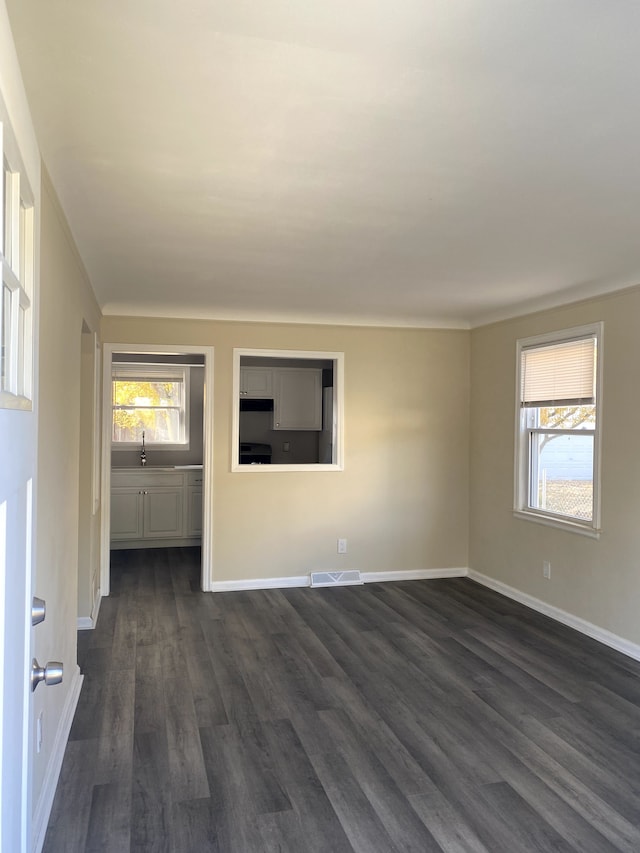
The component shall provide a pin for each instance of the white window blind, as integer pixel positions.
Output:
(150, 399)
(559, 374)
(126, 372)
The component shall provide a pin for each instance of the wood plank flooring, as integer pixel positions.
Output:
(419, 716)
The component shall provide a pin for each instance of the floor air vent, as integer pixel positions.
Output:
(336, 578)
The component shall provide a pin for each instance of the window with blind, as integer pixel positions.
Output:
(150, 400)
(557, 448)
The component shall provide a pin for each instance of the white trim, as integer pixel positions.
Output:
(95, 422)
(260, 583)
(86, 623)
(96, 607)
(367, 577)
(600, 634)
(14, 401)
(555, 521)
(47, 792)
(235, 315)
(521, 508)
(206, 579)
(283, 469)
(338, 409)
(413, 575)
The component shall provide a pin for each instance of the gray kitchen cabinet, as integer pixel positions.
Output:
(126, 514)
(162, 512)
(155, 507)
(256, 382)
(297, 398)
(193, 503)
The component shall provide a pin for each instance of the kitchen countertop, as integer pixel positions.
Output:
(159, 468)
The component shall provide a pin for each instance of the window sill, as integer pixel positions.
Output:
(154, 448)
(273, 468)
(559, 523)
(15, 401)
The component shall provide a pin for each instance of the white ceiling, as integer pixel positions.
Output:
(402, 162)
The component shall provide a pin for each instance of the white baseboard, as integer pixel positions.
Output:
(413, 575)
(87, 623)
(305, 580)
(632, 650)
(260, 583)
(43, 808)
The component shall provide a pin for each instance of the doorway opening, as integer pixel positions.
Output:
(157, 468)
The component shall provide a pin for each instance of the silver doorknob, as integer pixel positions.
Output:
(50, 674)
(38, 610)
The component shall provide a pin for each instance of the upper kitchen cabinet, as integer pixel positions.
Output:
(256, 382)
(298, 398)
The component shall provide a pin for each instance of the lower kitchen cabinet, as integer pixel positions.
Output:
(194, 511)
(193, 503)
(155, 507)
(162, 513)
(126, 514)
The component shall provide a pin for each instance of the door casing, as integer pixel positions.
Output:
(206, 580)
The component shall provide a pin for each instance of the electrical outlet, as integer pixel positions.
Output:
(546, 569)
(342, 546)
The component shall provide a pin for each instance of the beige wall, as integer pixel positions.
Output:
(402, 499)
(596, 580)
(66, 301)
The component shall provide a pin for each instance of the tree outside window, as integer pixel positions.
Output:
(150, 404)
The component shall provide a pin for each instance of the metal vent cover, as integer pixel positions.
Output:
(347, 578)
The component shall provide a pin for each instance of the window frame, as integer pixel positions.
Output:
(17, 278)
(147, 372)
(338, 410)
(523, 431)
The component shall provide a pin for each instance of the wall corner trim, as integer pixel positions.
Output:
(626, 647)
(45, 801)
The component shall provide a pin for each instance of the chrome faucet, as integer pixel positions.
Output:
(143, 452)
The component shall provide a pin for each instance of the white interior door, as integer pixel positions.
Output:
(17, 454)
(17, 471)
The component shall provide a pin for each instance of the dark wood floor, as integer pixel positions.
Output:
(419, 716)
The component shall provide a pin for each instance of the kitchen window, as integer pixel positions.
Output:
(558, 428)
(150, 401)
